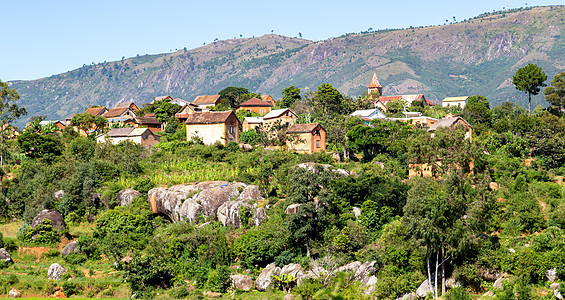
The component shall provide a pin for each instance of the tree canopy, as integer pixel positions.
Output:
(291, 95)
(555, 93)
(529, 80)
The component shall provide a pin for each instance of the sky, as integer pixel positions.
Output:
(42, 38)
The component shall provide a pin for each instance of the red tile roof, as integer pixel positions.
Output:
(206, 99)
(209, 117)
(302, 128)
(254, 102)
(375, 82)
(97, 111)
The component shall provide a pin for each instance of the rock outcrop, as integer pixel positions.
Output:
(292, 269)
(5, 256)
(71, 247)
(59, 194)
(259, 216)
(551, 275)
(220, 200)
(125, 197)
(54, 216)
(242, 282)
(265, 279)
(423, 290)
(314, 167)
(56, 272)
(13, 293)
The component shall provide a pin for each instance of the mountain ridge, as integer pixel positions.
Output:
(477, 56)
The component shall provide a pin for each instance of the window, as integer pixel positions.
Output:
(317, 144)
(231, 129)
(231, 119)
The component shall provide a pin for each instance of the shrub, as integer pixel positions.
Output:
(286, 257)
(42, 234)
(75, 258)
(144, 273)
(219, 279)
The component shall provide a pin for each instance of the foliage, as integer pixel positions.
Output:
(232, 96)
(87, 122)
(40, 146)
(555, 93)
(529, 79)
(291, 95)
(219, 279)
(42, 234)
(144, 273)
(328, 100)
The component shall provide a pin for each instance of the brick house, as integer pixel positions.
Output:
(256, 105)
(213, 127)
(312, 138)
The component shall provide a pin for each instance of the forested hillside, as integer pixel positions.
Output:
(476, 56)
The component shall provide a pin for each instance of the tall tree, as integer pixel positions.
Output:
(86, 122)
(290, 96)
(329, 100)
(9, 112)
(477, 111)
(232, 95)
(529, 80)
(555, 93)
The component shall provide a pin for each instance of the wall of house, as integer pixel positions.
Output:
(284, 119)
(209, 133)
(260, 110)
(304, 145)
(149, 140)
(246, 126)
(319, 142)
(453, 103)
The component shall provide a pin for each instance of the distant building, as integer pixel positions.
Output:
(268, 98)
(213, 127)
(183, 113)
(408, 100)
(256, 105)
(284, 115)
(161, 98)
(375, 86)
(250, 123)
(179, 101)
(312, 138)
(453, 122)
(129, 105)
(57, 123)
(142, 136)
(207, 101)
(149, 122)
(454, 101)
(369, 114)
(97, 111)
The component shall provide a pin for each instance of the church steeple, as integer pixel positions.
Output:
(375, 86)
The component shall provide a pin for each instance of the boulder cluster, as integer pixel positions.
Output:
(219, 200)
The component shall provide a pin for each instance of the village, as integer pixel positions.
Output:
(206, 124)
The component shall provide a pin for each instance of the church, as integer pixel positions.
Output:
(375, 92)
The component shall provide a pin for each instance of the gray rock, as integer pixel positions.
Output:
(242, 282)
(498, 283)
(356, 212)
(370, 285)
(336, 156)
(423, 290)
(292, 209)
(228, 213)
(551, 275)
(293, 269)
(56, 271)
(251, 192)
(350, 267)
(288, 297)
(71, 247)
(259, 216)
(557, 294)
(452, 283)
(314, 167)
(189, 211)
(266, 277)
(59, 194)
(5, 256)
(54, 216)
(488, 294)
(554, 286)
(408, 296)
(126, 196)
(13, 293)
(364, 271)
(211, 199)
(246, 147)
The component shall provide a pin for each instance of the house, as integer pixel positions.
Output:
(130, 105)
(161, 98)
(179, 101)
(268, 98)
(284, 115)
(97, 111)
(57, 123)
(369, 114)
(142, 136)
(453, 122)
(207, 101)
(407, 100)
(250, 123)
(120, 114)
(311, 138)
(187, 109)
(149, 122)
(454, 101)
(256, 105)
(213, 127)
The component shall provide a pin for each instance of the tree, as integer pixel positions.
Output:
(9, 112)
(477, 111)
(529, 80)
(87, 122)
(36, 145)
(555, 93)
(231, 96)
(290, 96)
(329, 100)
(166, 110)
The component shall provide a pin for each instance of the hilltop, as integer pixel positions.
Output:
(477, 56)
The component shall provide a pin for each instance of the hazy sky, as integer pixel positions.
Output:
(40, 38)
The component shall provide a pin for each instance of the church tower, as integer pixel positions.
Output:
(375, 86)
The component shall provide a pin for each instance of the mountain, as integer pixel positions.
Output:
(477, 56)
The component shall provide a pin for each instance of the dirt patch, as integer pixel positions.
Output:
(33, 251)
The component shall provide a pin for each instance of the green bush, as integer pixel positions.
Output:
(219, 279)
(144, 273)
(44, 233)
(75, 258)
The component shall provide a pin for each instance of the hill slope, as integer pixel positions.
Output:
(478, 56)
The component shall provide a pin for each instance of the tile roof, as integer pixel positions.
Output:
(115, 112)
(367, 113)
(160, 98)
(374, 82)
(447, 122)
(455, 99)
(147, 120)
(277, 113)
(302, 128)
(209, 117)
(97, 111)
(206, 99)
(255, 102)
(117, 132)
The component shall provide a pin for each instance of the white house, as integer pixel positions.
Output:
(369, 114)
(454, 101)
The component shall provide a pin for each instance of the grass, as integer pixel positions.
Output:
(10, 229)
